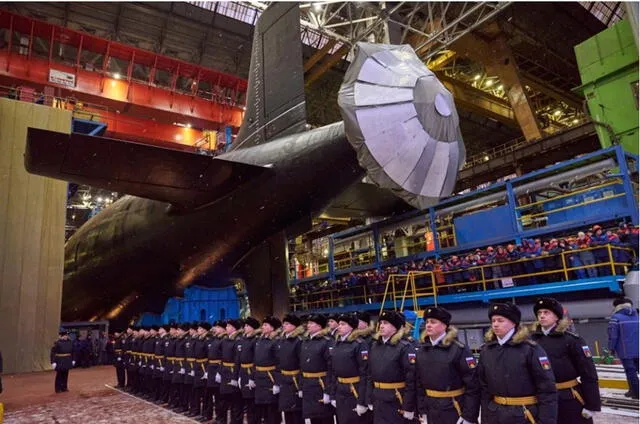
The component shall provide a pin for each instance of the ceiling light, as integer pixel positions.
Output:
(178, 137)
(116, 75)
(488, 83)
(486, 158)
(317, 7)
(501, 87)
(557, 113)
(100, 199)
(575, 121)
(188, 125)
(477, 77)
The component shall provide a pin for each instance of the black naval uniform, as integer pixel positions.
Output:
(148, 348)
(290, 378)
(119, 346)
(63, 355)
(391, 379)
(315, 364)
(350, 361)
(179, 371)
(200, 368)
(570, 358)
(158, 362)
(229, 391)
(246, 372)
(168, 365)
(136, 357)
(126, 359)
(187, 384)
(266, 360)
(214, 360)
(447, 385)
(516, 381)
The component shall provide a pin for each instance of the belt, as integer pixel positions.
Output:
(571, 384)
(229, 364)
(214, 361)
(523, 401)
(389, 386)
(172, 358)
(448, 394)
(266, 369)
(62, 354)
(200, 361)
(117, 350)
(515, 401)
(158, 356)
(350, 381)
(314, 374)
(127, 351)
(247, 366)
(191, 359)
(289, 373)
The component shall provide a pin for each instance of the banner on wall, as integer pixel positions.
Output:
(62, 78)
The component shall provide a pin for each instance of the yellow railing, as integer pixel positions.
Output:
(364, 258)
(402, 287)
(562, 196)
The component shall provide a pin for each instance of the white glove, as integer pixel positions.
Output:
(587, 414)
(326, 399)
(408, 415)
(139, 363)
(182, 371)
(54, 365)
(234, 383)
(152, 366)
(370, 407)
(275, 389)
(251, 384)
(119, 359)
(300, 394)
(462, 421)
(423, 418)
(239, 382)
(192, 373)
(73, 363)
(205, 376)
(218, 378)
(361, 410)
(334, 404)
(162, 369)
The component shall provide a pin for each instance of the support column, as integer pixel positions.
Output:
(498, 60)
(32, 219)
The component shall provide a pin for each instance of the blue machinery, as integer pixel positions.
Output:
(554, 201)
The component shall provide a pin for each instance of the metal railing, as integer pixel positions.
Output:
(410, 287)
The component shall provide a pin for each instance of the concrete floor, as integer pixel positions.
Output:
(30, 399)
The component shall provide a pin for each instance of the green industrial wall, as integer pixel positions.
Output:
(608, 64)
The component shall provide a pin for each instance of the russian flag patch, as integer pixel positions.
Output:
(412, 358)
(544, 361)
(471, 362)
(586, 351)
(365, 355)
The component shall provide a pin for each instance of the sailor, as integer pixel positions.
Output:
(290, 343)
(570, 359)
(332, 323)
(315, 364)
(127, 357)
(228, 376)
(119, 343)
(516, 380)
(447, 385)
(62, 360)
(168, 363)
(246, 373)
(349, 361)
(392, 359)
(179, 368)
(214, 361)
(365, 326)
(199, 369)
(265, 376)
(148, 361)
(189, 376)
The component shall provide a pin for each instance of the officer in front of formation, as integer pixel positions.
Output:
(349, 362)
(315, 364)
(119, 346)
(516, 380)
(62, 360)
(570, 359)
(392, 359)
(447, 385)
(290, 343)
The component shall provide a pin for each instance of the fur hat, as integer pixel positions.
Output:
(319, 319)
(621, 300)
(507, 310)
(235, 323)
(291, 319)
(332, 317)
(62, 333)
(194, 325)
(438, 313)
(252, 322)
(394, 318)
(364, 316)
(272, 321)
(185, 326)
(350, 319)
(155, 327)
(205, 325)
(220, 323)
(550, 304)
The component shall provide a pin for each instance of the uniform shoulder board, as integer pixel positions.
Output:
(574, 335)
(405, 342)
(531, 342)
(458, 343)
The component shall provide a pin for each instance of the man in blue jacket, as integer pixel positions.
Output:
(623, 340)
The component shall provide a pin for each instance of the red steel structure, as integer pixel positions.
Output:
(134, 88)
